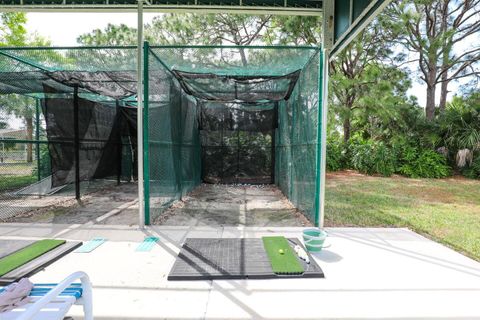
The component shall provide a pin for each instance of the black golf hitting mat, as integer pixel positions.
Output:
(222, 259)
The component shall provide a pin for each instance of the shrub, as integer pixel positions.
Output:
(373, 157)
(473, 171)
(336, 155)
(423, 164)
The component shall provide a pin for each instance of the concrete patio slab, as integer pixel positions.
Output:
(370, 274)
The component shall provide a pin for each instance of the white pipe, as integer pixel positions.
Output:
(141, 200)
(323, 143)
(34, 309)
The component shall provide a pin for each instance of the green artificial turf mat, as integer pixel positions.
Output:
(27, 254)
(281, 255)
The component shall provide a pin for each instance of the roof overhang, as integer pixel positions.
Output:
(291, 7)
(344, 19)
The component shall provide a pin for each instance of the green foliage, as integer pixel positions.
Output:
(373, 157)
(45, 164)
(186, 29)
(112, 35)
(294, 30)
(12, 29)
(460, 123)
(18, 105)
(430, 30)
(367, 94)
(473, 171)
(423, 164)
(337, 155)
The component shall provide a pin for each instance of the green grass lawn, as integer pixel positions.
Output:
(8, 183)
(446, 210)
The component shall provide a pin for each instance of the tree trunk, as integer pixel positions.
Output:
(443, 93)
(244, 57)
(430, 105)
(346, 129)
(431, 88)
(29, 124)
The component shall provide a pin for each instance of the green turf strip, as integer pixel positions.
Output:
(286, 263)
(27, 254)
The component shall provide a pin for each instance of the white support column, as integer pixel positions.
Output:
(141, 200)
(328, 24)
(323, 143)
(328, 40)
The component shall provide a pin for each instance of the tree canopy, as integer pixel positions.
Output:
(434, 42)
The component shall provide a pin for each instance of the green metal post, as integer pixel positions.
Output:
(146, 161)
(37, 137)
(319, 139)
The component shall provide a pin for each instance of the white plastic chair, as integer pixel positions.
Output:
(53, 305)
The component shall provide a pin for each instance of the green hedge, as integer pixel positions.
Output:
(377, 157)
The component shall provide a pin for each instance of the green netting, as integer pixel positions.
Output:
(110, 72)
(233, 93)
(235, 61)
(296, 141)
(173, 139)
(90, 59)
(245, 82)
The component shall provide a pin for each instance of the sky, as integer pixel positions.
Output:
(64, 28)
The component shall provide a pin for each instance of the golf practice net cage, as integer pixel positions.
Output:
(213, 114)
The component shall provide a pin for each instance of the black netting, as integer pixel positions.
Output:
(250, 89)
(237, 142)
(101, 130)
(114, 84)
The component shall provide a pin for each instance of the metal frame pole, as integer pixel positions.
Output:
(118, 122)
(141, 200)
(146, 155)
(76, 142)
(37, 137)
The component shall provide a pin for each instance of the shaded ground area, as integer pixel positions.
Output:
(447, 210)
(111, 204)
(233, 205)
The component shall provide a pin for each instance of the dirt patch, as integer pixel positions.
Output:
(67, 210)
(233, 205)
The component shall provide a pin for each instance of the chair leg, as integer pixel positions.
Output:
(87, 298)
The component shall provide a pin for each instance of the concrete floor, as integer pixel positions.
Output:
(233, 205)
(370, 274)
